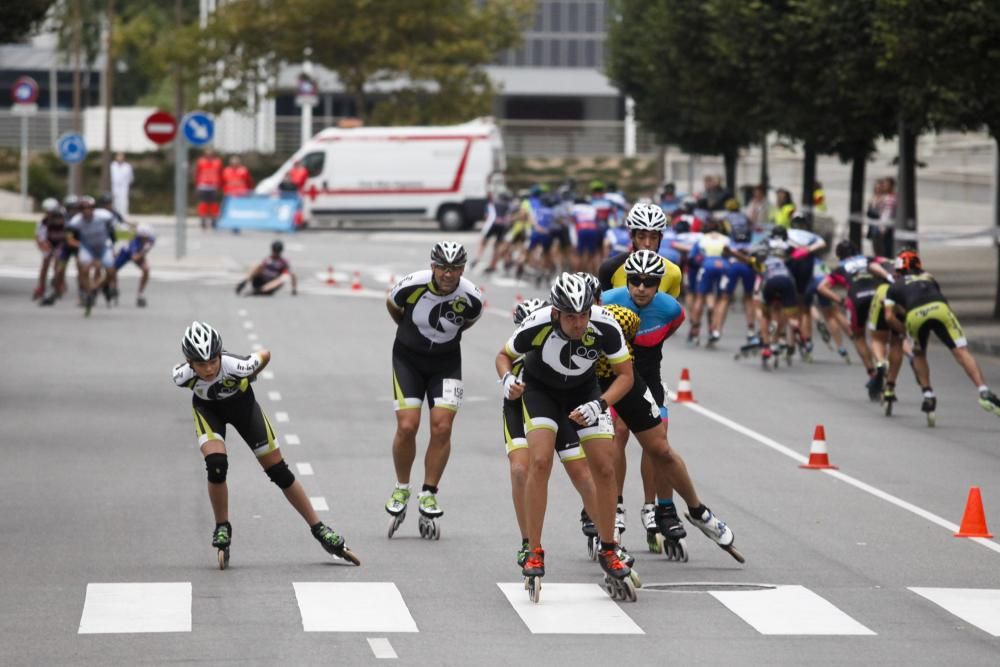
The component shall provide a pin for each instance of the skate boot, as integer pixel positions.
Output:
(333, 543)
(888, 398)
(824, 332)
(222, 537)
(49, 300)
(106, 291)
(654, 541)
(396, 507)
(874, 391)
(694, 339)
(845, 355)
(430, 511)
(713, 338)
(114, 295)
(590, 531)
(37, 294)
(88, 303)
(618, 580)
(929, 406)
(672, 533)
(533, 570)
(879, 381)
(140, 301)
(717, 531)
(619, 522)
(522, 553)
(240, 286)
(989, 402)
(765, 357)
(806, 351)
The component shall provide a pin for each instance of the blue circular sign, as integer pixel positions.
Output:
(71, 148)
(198, 128)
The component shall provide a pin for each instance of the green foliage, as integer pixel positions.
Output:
(20, 18)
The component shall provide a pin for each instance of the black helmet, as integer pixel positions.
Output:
(201, 342)
(779, 232)
(277, 247)
(845, 249)
(104, 199)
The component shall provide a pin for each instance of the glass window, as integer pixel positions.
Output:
(602, 54)
(537, 53)
(601, 11)
(555, 17)
(590, 17)
(539, 17)
(521, 57)
(555, 53)
(589, 53)
(573, 17)
(573, 52)
(313, 162)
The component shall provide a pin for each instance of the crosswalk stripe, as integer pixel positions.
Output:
(382, 648)
(352, 607)
(789, 610)
(977, 606)
(570, 609)
(274, 395)
(292, 439)
(133, 608)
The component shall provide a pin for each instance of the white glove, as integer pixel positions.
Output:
(508, 380)
(590, 411)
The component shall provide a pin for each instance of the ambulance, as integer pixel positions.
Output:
(398, 173)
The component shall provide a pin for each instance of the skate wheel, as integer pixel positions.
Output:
(436, 530)
(683, 550)
(534, 585)
(931, 419)
(393, 525)
(888, 409)
(735, 554)
(610, 588)
(656, 546)
(628, 590)
(350, 557)
(634, 578)
(223, 558)
(422, 527)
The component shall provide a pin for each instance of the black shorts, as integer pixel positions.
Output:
(244, 413)
(802, 273)
(258, 282)
(639, 408)
(416, 375)
(548, 408)
(498, 230)
(561, 237)
(780, 290)
(567, 444)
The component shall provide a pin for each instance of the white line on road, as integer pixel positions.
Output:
(130, 608)
(242, 312)
(251, 336)
(573, 609)
(274, 395)
(304, 468)
(353, 607)
(256, 347)
(978, 606)
(248, 325)
(267, 375)
(789, 610)
(319, 504)
(382, 648)
(281, 417)
(291, 439)
(847, 479)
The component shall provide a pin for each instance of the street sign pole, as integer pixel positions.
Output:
(24, 164)
(180, 195)
(24, 94)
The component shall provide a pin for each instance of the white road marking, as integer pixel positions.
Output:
(267, 375)
(274, 395)
(131, 608)
(789, 610)
(573, 609)
(251, 336)
(352, 607)
(319, 504)
(382, 648)
(248, 325)
(304, 468)
(242, 312)
(281, 417)
(256, 347)
(847, 479)
(977, 606)
(292, 439)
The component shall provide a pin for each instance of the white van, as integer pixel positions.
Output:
(395, 173)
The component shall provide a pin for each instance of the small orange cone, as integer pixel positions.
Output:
(818, 458)
(974, 519)
(684, 394)
(330, 280)
(356, 282)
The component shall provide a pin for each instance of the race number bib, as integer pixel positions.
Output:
(452, 392)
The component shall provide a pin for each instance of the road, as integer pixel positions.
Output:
(106, 524)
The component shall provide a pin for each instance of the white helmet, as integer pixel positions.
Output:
(527, 307)
(144, 229)
(592, 280)
(645, 263)
(201, 342)
(50, 204)
(571, 294)
(646, 217)
(448, 253)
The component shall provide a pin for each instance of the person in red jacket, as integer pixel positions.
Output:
(236, 181)
(298, 175)
(207, 179)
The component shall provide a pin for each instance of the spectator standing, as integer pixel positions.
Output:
(715, 195)
(122, 178)
(236, 181)
(757, 209)
(784, 208)
(207, 179)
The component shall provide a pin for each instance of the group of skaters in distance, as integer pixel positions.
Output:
(86, 230)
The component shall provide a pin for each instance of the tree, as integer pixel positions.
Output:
(21, 18)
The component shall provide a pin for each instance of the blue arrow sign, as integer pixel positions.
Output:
(198, 128)
(71, 148)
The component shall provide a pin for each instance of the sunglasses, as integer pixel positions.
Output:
(450, 268)
(650, 281)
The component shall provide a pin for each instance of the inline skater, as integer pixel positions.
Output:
(709, 254)
(916, 297)
(888, 346)
(804, 246)
(588, 236)
(267, 277)
(646, 224)
(567, 448)
(50, 234)
(560, 346)
(776, 294)
(643, 410)
(220, 382)
(93, 234)
(136, 251)
(830, 321)
(737, 273)
(495, 228)
(541, 214)
(431, 308)
(71, 206)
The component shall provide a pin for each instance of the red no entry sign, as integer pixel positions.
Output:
(160, 127)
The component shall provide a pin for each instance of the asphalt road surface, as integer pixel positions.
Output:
(106, 526)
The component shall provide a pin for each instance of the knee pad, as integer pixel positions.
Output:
(281, 475)
(217, 466)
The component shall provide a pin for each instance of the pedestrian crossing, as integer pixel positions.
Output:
(379, 607)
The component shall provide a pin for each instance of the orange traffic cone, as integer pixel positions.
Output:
(818, 458)
(974, 519)
(356, 282)
(330, 280)
(684, 394)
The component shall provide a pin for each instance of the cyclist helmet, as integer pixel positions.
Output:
(682, 226)
(689, 204)
(908, 261)
(527, 307)
(845, 249)
(104, 199)
(448, 253)
(779, 232)
(597, 186)
(50, 204)
(592, 280)
(201, 342)
(644, 263)
(71, 202)
(86, 201)
(732, 204)
(145, 230)
(277, 247)
(777, 248)
(646, 217)
(571, 294)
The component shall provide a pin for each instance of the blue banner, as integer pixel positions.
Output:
(267, 213)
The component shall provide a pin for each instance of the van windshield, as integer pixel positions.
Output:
(313, 162)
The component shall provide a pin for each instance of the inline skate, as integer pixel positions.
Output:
(396, 507)
(717, 531)
(222, 538)
(333, 543)
(430, 512)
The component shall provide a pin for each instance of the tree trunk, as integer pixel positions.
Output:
(729, 157)
(996, 218)
(765, 176)
(108, 99)
(856, 209)
(74, 170)
(808, 180)
(906, 191)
